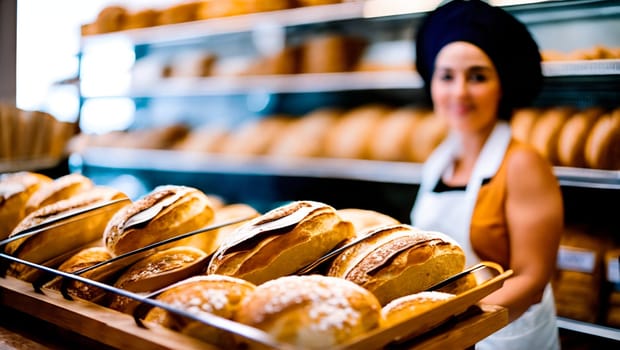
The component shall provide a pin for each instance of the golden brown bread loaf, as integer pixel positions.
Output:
(428, 134)
(205, 139)
(544, 135)
(573, 137)
(15, 190)
(214, 294)
(329, 53)
(256, 137)
(181, 12)
(351, 135)
(522, 123)
(84, 258)
(57, 241)
(412, 305)
(140, 19)
(602, 149)
(305, 137)
(399, 260)
(165, 212)
(61, 188)
(157, 271)
(365, 219)
(110, 19)
(312, 311)
(280, 242)
(391, 137)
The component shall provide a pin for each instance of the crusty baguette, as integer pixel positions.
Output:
(15, 190)
(399, 260)
(56, 241)
(169, 210)
(157, 271)
(280, 242)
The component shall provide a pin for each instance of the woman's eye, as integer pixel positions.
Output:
(477, 77)
(445, 77)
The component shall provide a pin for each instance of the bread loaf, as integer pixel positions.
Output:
(399, 260)
(351, 135)
(157, 271)
(391, 137)
(15, 190)
(546, 131)
(165, 212)
(56, 241)
(280, 242)
(214, 294)
(522, 123)
(311, 312)
(573, 137)
(365, 219)
(61, 188)
(602, 149)
(412, 305)
(427, 135)
(84, 258)
(256, 137)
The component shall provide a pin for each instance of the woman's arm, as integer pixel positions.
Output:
(535, 218)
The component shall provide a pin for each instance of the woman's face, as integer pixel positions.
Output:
(465, 87)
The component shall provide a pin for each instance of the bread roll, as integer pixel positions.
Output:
(206, 139)
(305, 137)
(280, 242)
(547, 129)
(84, 258)
(256, 137)
(351, 136)
(165, 212)
(158, 271)
(364, 220)
(573, 137)
(15, 190)
(410, 306)
(110, 19)
(311, 312)
(178, 13)
(214, 294)
(331, 53)
(56, 241)
(391, 137)
(61, 188)
(522, 123)
(399, 260)
(427, 135)
(602, 149)
(141, 19)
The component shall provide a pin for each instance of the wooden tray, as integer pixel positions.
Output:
(460, 326)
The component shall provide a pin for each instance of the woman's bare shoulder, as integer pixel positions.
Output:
(526, 167)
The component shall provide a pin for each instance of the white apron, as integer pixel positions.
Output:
(450, 212)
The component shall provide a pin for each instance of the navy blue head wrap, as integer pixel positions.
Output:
(501, 36)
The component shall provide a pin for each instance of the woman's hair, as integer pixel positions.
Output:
(501, 36)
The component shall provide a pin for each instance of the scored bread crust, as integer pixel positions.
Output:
(281, 242)
(311, 311)
(179, 209)
(157, 271)
(84, 258)
(61, 188)
(399, 260)
(15, 190)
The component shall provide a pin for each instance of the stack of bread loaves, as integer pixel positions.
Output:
(246, 272)
(584, 138)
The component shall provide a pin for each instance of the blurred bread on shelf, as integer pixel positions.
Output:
(394, 132)
(595, 52)
(428, 134)
(30, 136)
(522, 123)
(329, 53)
(110, 19)
(141, 19)
(573, 137)
(602, 148)
(162, 137)
(185, 11)
(546, 131)
(306, 136)
(204, 139)
(255, 137)
(351, 135)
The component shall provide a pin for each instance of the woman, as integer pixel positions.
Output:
(496, 196)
